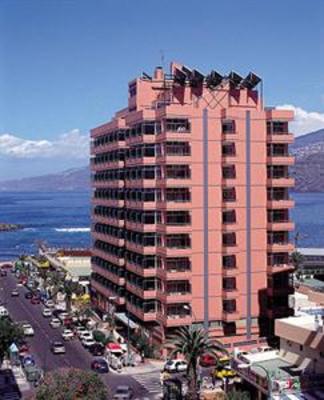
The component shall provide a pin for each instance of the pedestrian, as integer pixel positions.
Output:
(213, 378)
(143, 356)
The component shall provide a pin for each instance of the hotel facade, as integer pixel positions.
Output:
(190, 207)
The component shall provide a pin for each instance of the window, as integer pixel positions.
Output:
(277, 194)
(229, 306)
(132, 89)
(229, 239)
(277, 171)
(229, 328)
(278, 237)
(178, 264)
(177, 218)
(277, 127)
(178, 310)
(178, 287)
(301, 347)
(229, 194)
(228, 172)
(228, 149)
(229, 217)
(179, 125)
(179, 195)
(229, 262)
(228, 126)
(177, 149)
(277, 149)
(229, 284)
(180, 241)
(280, 215)
(177, 172)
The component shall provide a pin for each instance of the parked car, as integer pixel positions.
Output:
(87, 342)
(175, 366)
(49, 303)
(100, 365)
(207, 360)
(47, 312)
(97, 349)
(3, 272)
(35, 300)
(3, 312)
(123, 393)
(28, 295)
(86, 335)
(14, 293)
(80, 329)
(23, 348)
(55, 323)
(224, 372)
(58, 348)
(28, 330)
(67, 334)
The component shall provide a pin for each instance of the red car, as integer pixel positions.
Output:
(208, 360)
(35, 300)
(23, 349)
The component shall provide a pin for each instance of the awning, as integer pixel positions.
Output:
(13, 348)
(127, 321)
(113, 346)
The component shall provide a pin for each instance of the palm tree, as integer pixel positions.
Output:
(193, 342)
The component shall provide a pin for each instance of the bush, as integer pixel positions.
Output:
(99, 336)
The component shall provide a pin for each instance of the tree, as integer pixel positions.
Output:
(297, 259)
(193, 342)
(72, 384)
(238, 395)
(9, 333)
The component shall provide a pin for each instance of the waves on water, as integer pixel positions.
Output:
(72, 230)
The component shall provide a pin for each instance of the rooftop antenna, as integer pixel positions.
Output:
(162, 58)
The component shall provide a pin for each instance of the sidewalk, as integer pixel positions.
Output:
(147, 366)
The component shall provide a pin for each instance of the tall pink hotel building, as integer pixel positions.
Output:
(190, 219)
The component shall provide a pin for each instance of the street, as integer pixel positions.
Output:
(21, 310)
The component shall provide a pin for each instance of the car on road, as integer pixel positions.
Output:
(23, 349)
(208, 360)
(28, 330)
(47, 312)
(97, 349)
(14, 293)
(35, 300)
(55, 323)
(80, 329)
(85, 335)
(58, 347)
(123, 393)
(175, 366)
(100, 365)
(87, 342)
(3, 312)
(222, 372)
(29, 295)
(3, 272)
(67, 334)
(49, 303)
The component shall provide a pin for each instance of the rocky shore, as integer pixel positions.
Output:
(9, 227)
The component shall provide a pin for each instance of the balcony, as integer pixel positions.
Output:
(119, 223)
(138, 248)
(278, 159)
(281, 182)
(107, 202)
(175, 297)
(140, 314)
(277, 268)
(280, 203)
(143, 272)
(140, 292)
(283, 137)
(280, 247)
(228, 294)
(107, 238)
(174, 274)
(174, 320)
(107, 292)
(108, 257)
(281, 225)
(108, 275)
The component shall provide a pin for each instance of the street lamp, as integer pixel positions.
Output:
(256, 365)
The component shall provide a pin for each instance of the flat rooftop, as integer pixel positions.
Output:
(313, 283)
(278, 369)
(306, 321)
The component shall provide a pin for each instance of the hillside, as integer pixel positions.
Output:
(308, 171)
(76, 179)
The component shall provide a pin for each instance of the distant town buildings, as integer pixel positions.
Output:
(191, 207)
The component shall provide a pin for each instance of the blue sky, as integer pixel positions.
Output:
(65, 64)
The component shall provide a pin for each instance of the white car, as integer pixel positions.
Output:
(55, 323)
(47, 312)
(28, 330)
(3, 312)
(80, 329)
(87, 342)
(123, 393)
(175, 366)
(85, 335)
(67, 334)
(50, 303)
(58, 348)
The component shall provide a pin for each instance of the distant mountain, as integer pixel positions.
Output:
(309, 166)
(76, 179)
(308, 171)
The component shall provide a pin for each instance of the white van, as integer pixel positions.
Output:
(3, 312)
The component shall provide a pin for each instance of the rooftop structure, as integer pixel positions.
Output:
(190, 218)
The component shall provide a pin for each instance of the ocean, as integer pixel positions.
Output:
(62, 219)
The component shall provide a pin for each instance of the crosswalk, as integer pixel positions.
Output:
(150, 381)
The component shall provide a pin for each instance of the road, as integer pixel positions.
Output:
(21, 309)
